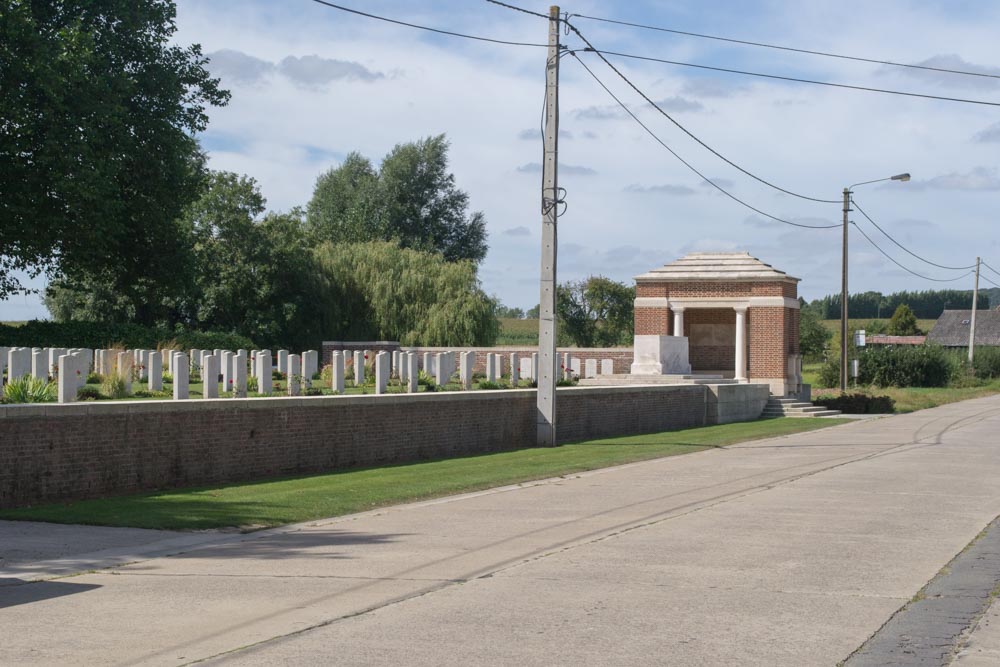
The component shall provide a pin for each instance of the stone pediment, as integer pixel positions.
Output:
(717, 266)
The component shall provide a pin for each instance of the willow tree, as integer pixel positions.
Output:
(378, 290)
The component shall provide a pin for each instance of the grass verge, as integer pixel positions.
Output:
(283, 501)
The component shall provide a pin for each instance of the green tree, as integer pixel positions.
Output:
(379, 291)
(596, 312)
(510, 312)
(903, 322)
(411, 199)
(97, 154)
(813, 336)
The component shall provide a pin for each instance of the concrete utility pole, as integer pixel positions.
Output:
(843, 297)
(547, 359)
(972, 321)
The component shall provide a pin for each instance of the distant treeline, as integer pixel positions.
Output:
(926, 305)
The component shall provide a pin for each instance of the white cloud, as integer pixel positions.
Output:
(536, 168)
(517, 231)
(980, 179)
(989, 134)
(238, 68)
(665, 189)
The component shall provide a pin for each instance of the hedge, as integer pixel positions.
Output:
(37, 333)
(857, 404)
(906, 366)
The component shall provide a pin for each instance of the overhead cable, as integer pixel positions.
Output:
(908, 270)
(687, 131)
(688, 164)
(904, 248)
(789, 48)
(423, 27)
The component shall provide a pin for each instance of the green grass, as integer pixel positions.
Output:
(911, 399)
(283, 501)
(518, 332)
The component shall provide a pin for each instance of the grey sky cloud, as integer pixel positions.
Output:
(599, 113)
(721, 182)
(536, 168)
(664, 189)
(704, 87)
(678, 104)
(534, 134)
(990, 134)
(309, 71)
(980, 179)
(955, 62)
(517, 231)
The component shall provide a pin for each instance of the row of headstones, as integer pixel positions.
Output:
(70, 365)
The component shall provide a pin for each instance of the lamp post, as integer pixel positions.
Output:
(843, 275)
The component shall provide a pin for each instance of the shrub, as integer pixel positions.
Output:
(114, 386)
(986, 362)
(567, 382)
(89, 393)
(857, 403)
(486, 384)
(95, 378)
(312, 391)
(829, 374)
(146, 393)
(252, 384)
(906, 366)
(28, 389)
(168, 378)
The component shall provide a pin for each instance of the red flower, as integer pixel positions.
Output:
(78, 372)
(366, 356)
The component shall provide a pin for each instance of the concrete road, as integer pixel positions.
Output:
(791, 551)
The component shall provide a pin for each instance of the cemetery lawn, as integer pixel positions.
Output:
(276, 502)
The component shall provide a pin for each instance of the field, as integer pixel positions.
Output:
(518, 332)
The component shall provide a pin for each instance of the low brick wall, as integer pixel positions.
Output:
(58, 452)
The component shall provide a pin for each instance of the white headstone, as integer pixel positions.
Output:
(226, 368)
(534, 367)
(467, 363)
(239, 374)
(123, 368)
(359, 369)
(525, 368)
(491, 367)
(381, 372)
(412, 373)
(39, 364)
(283, 361)
(567, 370)
(263, 371)
(194, 359)
(310, 366)
(514, 370)
(155, 372)
(428, 361)
(67, 387)
(440, 365)
(294, 362)
(590, 368)
(18, 363)
(337, 364)
(575, 367)
(607, 366)
(210, 376)
(180, 366)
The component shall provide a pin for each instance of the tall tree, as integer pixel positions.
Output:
(412, 199)
(97, 157)
(903, 322)
(596, 312)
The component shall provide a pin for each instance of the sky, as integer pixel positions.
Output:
(311, 84)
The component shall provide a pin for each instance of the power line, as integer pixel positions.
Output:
(423, 27)
(794, 79)
(685, 130)
(788, 48)
(991, 268)
(987, 279)
(904, 248)
(519, 9)
(688, 164)
(890, 258)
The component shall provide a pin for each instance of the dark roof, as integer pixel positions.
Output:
(952, 328)
(882, 339)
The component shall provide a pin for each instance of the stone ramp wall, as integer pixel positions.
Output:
(51, 453)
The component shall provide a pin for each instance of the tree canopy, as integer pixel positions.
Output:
(596, 312)
(903, 322)
(97, 156)
(411, 199)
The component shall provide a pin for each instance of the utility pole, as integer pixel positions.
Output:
(843, 298)
(972, 321)
(547, 358)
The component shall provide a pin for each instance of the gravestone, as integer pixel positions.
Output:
(310, 366)
(381, 372)
(181, 367)
(3, 361)
(412, 374)
(404, 366)
(155, 372)
(123, 367)
(226, 368)
(514, 370)
(337, 364)
(525, 368)
(534, 367)
(18, 363)
(210, 376)
(468, 361)
(428, 361)
(607, 366)
(283, 362)
(359, 369)
(239, 374)
(39, 364)
(67, 387)
(294, 362)
(264, 372)
(567, 370)
(590, 368)
(574, 366)
(440, 367)
(491, 367)
(194, 359)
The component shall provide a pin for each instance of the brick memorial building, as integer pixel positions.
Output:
(725, 314)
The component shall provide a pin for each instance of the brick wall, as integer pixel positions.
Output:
(53, 453)
(710, 357)
(769, 338)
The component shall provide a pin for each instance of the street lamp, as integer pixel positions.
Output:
(843, 283)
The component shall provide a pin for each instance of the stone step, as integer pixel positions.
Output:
(790, 404)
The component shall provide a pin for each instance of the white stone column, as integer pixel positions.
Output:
(67, 379)
(240, 374)
(226, 368)
(534, 367)
(412, 373)
(180, 364)
(467, 361)
(359, 369)
(741, 344)
(678, 321)
(515, 368)
(283, 361)
(310, 366)
(337, 362)
(590, 368)
(491, 367)
(440, 363)
(210, 376)
(39, 364)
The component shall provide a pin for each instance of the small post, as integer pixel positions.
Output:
(972, 321)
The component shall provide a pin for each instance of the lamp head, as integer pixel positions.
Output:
(901, 177)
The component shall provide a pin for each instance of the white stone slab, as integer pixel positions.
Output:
(607, 366)
(294, 362)
(264, 368)
(590, 368)
(382, 366)
(181, 365)
(660, 355)
(337, 364)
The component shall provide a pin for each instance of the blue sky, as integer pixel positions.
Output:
(311, 84)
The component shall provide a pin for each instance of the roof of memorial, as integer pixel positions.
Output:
(717, 266)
